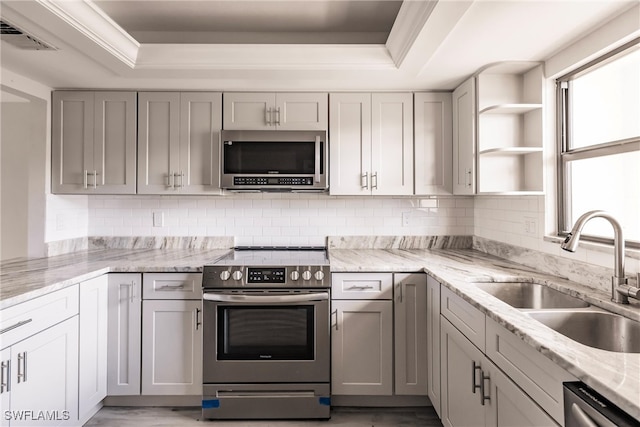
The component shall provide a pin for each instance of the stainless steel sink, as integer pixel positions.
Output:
(606, 331)
(527, 295)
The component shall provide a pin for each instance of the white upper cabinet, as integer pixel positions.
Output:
(269, 111)
(371, 144)
(93, 142)
(179, 142)
(464, 138)
(433, 144)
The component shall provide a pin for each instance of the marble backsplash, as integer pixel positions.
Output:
(145, 242)
(399, 242)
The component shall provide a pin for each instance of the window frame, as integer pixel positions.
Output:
(565, 154)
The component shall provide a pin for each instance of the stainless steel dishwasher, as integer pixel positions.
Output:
(584, 407)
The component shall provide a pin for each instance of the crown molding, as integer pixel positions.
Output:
(412, 18)
(88, 19)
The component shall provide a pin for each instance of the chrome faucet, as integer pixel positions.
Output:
(620, 293)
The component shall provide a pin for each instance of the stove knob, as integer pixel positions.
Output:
(306, 275)
(237, 275)
(225, 275)
(319, 275)
(295, 275)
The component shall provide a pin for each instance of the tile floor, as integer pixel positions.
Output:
(190, 417)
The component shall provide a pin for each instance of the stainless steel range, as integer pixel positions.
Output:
(266, 337)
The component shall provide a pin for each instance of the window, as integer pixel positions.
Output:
(599, 144)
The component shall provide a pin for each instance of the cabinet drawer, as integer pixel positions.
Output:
(172, 286)
(464, 316)
(538, 376)
(23, 320)
(362, 286)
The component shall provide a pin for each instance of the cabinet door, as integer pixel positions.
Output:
(460, 399)
(5, 384)
(45, 375)
(114, 154)
(433, 342)
(391, 144)
(464, 138)
(72, 141)
(201, 120)
(249, 111)
(510, 406)
(361, 346)
(433, 143)
(93, 343)
(124, 334)
(410, 325)
(350, 144)
(171, 347)
(302, 111)
(158, 142)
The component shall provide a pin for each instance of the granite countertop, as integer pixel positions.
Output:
(615, 375)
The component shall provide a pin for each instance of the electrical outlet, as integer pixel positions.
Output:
(158, 219)
(530, 226)
(406, 219)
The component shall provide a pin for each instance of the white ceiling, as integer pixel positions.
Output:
(289, 44)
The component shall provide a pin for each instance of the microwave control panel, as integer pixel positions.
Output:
(268, 180)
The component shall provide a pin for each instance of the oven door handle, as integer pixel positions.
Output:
(268, 299)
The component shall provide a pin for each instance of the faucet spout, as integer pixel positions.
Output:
(618, 293)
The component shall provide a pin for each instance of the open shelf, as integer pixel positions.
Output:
(508, 151)
(510, 108)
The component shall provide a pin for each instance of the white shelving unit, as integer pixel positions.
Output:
(509, 128)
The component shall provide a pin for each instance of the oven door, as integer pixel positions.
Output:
(268, 336)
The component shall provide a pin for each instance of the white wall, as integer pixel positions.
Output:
(279, 219)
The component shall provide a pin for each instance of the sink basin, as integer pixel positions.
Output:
(530, 295)
(602, 330)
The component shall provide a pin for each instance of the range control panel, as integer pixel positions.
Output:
(266, 275)
(314, 276)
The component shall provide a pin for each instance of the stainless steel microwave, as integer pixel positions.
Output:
(274, 160)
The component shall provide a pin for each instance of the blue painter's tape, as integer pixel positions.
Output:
(210, 403)
(326, 401)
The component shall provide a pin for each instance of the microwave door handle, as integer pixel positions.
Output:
(269, 299)
(317, 169)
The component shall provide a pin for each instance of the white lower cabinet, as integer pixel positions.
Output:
(124, 334)
(93, 345)
(433, 342)
(41, 378)
(171, 347)
(476, 393)
(379, 334)
(362, 347)
(172, 334)
(39, 361)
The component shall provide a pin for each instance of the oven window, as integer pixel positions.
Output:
(266, 333)
(269, 157)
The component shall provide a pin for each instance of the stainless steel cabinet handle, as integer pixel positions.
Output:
(364, 177)
(361, 287)
(467, 177)
(172, 287)
(374, 180)
(181, 176)
(267, 116)
(22, 362)
(400, 288)
(95, 179)
(278, 116)
(5, 375)
(336, 314)
(15, 325)
(198, 322)
(172, 180)
(474, 368)
(484, 397)
(86, 178)
(132, 291)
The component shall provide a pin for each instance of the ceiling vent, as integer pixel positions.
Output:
(20, 39)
